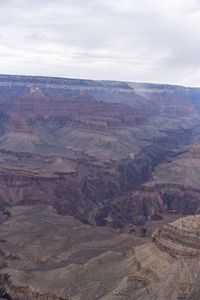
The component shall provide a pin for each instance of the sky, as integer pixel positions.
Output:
(128, 40)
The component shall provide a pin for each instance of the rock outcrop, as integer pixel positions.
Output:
(180, 238)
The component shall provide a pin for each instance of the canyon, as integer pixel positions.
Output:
(89, 170)
(93, 149)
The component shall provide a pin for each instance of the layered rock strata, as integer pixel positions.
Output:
(180, 238)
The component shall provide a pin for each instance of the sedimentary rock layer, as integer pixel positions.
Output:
(180, 238)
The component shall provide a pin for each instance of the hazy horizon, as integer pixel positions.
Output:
(92, 79)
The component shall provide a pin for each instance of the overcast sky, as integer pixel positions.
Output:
(134, 40)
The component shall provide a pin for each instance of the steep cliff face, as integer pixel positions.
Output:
(84, 146)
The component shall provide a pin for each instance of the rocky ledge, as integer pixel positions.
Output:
(180, 238)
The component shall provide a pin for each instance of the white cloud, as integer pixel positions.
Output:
(138, 40)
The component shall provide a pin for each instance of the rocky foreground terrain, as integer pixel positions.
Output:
(48, 256)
